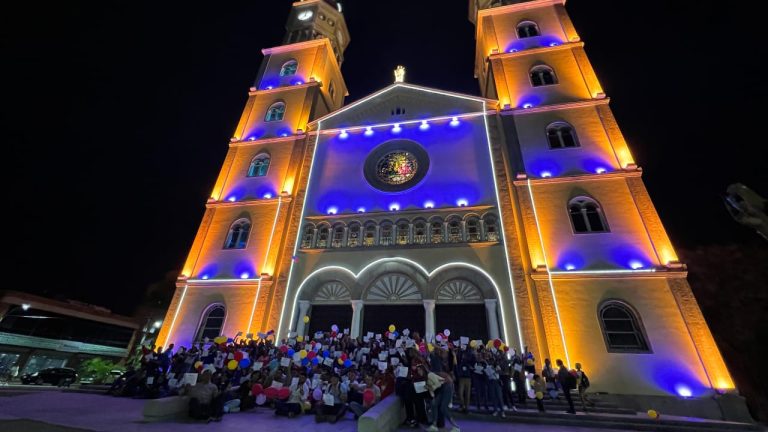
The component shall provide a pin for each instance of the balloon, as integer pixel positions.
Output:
(430, 347)
(368, 397)
(303, 353)
(306, 319)
(300, 338)
(270, 392)
(335, 328)
(261, 399)
(291, 352)
(257, 389)
(219, 339)
(496, 343)
(539, 395)
(238, 356)
(531, 393)
(244, 363)
(283, 393)
(396, 334)
(392, 328)
(439, 337)
(386, 334)
(326, 353)
(284, 348)
(232, 365)
(347, 363)
(304, 361)
(341, 361)
(311, 355)
(198, 364)
(506, 348)
(447, 332)
(317, 394)
(343, 356)
(230, 340)
(315, 361)
(473, 343)
(653, 414)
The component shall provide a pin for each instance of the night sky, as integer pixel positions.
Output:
(118, 116)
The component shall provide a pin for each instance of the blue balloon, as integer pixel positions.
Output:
(230, 340)
(291, 352)
(304, 361)
(396, 334)
(347, 363)
(244, 363)
(326, 354)
(315, 361)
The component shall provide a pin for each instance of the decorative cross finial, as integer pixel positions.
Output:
(400, 74)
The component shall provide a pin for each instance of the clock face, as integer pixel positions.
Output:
(305, 15)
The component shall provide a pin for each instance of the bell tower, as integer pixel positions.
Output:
(236, 259)
(592, 246)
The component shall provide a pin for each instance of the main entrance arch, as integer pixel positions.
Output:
(399, 292)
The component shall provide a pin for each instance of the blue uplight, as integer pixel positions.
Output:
(554, 44)
(512, 50)
(454, 122)
(394, 207)
(636, 264)
(600, 170)
(396, 128)
(253, 138)
(232, 199)
(527, 105)
(204, 277)
(361, 209)
(429, 204)
(332, 210)
(245, 275)
(461, 202)
(368, 131)
(267, 195)
(343, 134)
(424, 125)
(570, 267)
(683, 390)
(545, 174)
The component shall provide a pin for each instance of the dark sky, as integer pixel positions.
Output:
(118, 116)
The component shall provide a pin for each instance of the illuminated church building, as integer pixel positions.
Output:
(519, 214)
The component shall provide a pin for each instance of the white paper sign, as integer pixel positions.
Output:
(346, 331)
(328, 399)
(383, 356)
(402, 372)
(172, 382)
(391, 336)
(277, 384)
(410, 343)
(189, 378)
(294, 382)
(366, 339)
(378, 336)
(420, 386)
(464, 340)
(150, 380)
(365, 350)
(395, 361)
(328, 362)
(258, 365)
(285, 361)
(370, 335)
(382, 366)
(518, 367)
(392, 351)
(398, 343)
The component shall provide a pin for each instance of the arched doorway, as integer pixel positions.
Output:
(330, 305)
(459, 306)
(393, 299)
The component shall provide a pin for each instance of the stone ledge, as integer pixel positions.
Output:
(385, 416)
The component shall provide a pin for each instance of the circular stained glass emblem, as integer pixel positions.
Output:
(396, 165)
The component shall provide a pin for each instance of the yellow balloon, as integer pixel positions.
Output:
(653, 414)
(306, 319)
(430, 347)
(302, 353)
(300, 338)
(473, 343)
(232, 365)
(340, 361)
(220, 339)
(539, 395)
(198, 364)
(392, 328)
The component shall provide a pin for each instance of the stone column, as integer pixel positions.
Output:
(357, 318)
(491, 316)
(429, 319)
(303, 309)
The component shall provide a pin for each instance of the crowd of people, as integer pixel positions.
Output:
(332, 375)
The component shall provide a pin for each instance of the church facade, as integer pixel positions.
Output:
(519, 214)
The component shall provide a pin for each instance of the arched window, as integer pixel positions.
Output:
(212, 322)
(275, 112)
(289, 68)
(259, 165)
(527, 29)
(586, 215)
(491, 228)
(420, 232)
(454, 230)
(473, 229)
(385, 233)
(238, 234)
(338, 236)
(622, 328)
(323, 232)
(436, 231)
(353, 235)
(308, 236)
(369, 237)
(403, 232)
(561, 135)
(543, 76)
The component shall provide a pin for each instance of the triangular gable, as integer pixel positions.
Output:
(417, 102)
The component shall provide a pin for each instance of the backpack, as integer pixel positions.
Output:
(584, 380)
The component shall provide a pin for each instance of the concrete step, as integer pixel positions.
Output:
(636, 421)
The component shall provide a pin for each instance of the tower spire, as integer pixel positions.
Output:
(400, 74)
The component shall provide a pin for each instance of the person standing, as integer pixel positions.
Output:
(567, 383)
(465, 366)
(539, 387)
(582, 384)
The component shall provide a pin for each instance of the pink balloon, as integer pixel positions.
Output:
(368, 397)
(257, 389)
(284, 393)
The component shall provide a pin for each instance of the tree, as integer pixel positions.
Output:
(98, 368)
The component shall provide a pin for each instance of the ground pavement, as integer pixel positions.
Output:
(55, 411)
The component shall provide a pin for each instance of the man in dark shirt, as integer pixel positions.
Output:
(566, 383)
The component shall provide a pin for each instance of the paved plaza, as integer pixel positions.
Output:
(54, 411)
